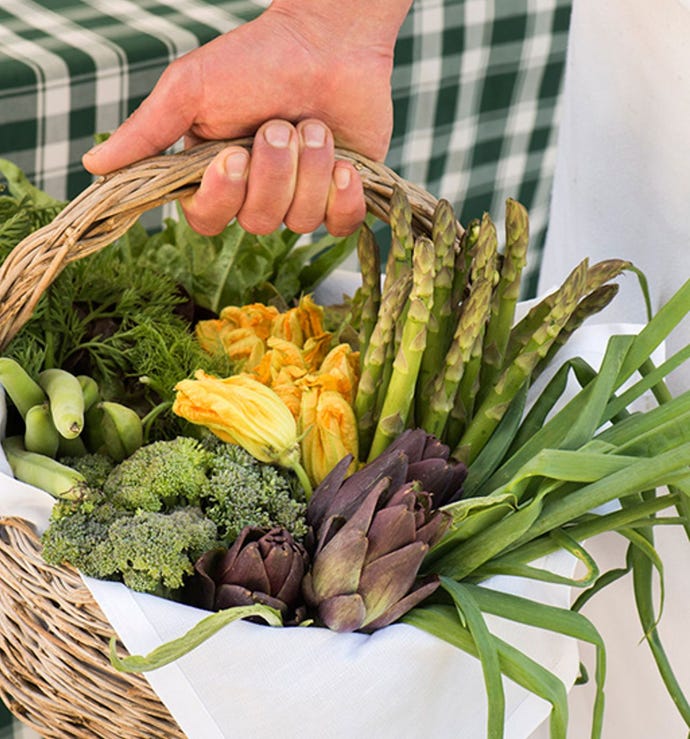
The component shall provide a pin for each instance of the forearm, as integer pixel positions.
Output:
(372, 24)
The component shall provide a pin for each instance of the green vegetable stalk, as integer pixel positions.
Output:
(519, 371)
(472, 318)
(402, 238)
(506, 293)
(444, 236)
(370, 290)
(372, 384)
(482, 268)
(400, 392)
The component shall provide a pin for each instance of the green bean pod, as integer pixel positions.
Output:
(43, 472)
(40, 434)
(66, 400)
(23, 391)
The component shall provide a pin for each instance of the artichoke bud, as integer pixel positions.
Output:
(367, 555)
(262, 566)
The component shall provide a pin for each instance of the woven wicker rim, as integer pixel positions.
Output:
(55, 675)
(113, 203)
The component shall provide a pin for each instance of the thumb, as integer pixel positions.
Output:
(155, 125)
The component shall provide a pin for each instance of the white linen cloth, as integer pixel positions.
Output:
(622, 189)
(399, 682)
(248, 679)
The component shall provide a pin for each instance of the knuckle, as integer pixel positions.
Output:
(202, 224)
(302, 224)
(260, 225)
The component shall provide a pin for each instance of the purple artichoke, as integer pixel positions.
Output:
(371, 532)
(261, 566)
(414, 456)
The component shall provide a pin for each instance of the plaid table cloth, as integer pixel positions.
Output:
(476, 91)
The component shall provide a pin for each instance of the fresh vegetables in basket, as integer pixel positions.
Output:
(351, 467)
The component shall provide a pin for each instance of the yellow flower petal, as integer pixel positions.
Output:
(300, 323)
(281, 353)
(316, 349)
(329, 429)
(241, 409)
(257, 316)
(341, 364)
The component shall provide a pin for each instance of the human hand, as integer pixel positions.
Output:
(294, 84)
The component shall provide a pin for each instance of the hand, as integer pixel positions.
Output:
(288, 78)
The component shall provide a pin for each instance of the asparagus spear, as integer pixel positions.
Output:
(402, 240)
(444, 235)
(372, 383)
(591, 304)
(604, 271)
(401, 388)
(506, 293)
(370, 290)
(490, 412)
(597, 275)
(439, 403)
(482, 269)
(463, 259)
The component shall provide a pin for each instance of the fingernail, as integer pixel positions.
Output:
(235, 165)
(341, 177)
(314, 135)
(277, 135)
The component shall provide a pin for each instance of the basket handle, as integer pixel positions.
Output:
(114, 202)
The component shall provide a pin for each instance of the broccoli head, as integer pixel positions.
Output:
(245, 492)
(154, 552)
(160, 475)
(79, 537)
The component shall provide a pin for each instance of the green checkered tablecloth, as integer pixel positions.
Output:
(476, 91)
(477, 87)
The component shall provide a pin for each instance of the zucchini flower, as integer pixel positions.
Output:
(328, 430)
(315, 350)
(279, 354)
(370, 533)
(240, 410)
(239, 344)
(342, 364)
(257, 316)
(240, 331)
(300, 323)
(261, 566)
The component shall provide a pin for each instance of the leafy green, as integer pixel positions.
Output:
(124, 315)
(23, 207)
(543, 492)
(106, 317)
(236, 267)
(172, 650)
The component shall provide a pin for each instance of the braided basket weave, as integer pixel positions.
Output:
(55, 675)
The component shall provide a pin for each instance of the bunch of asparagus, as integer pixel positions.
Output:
(440, 347)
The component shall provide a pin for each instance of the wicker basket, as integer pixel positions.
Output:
(55, 675)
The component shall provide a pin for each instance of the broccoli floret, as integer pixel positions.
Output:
(155, 551)
(80, 538)
(167, 504)
(245, 492)
(94, 467)
(160, 475)
(151, 552)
